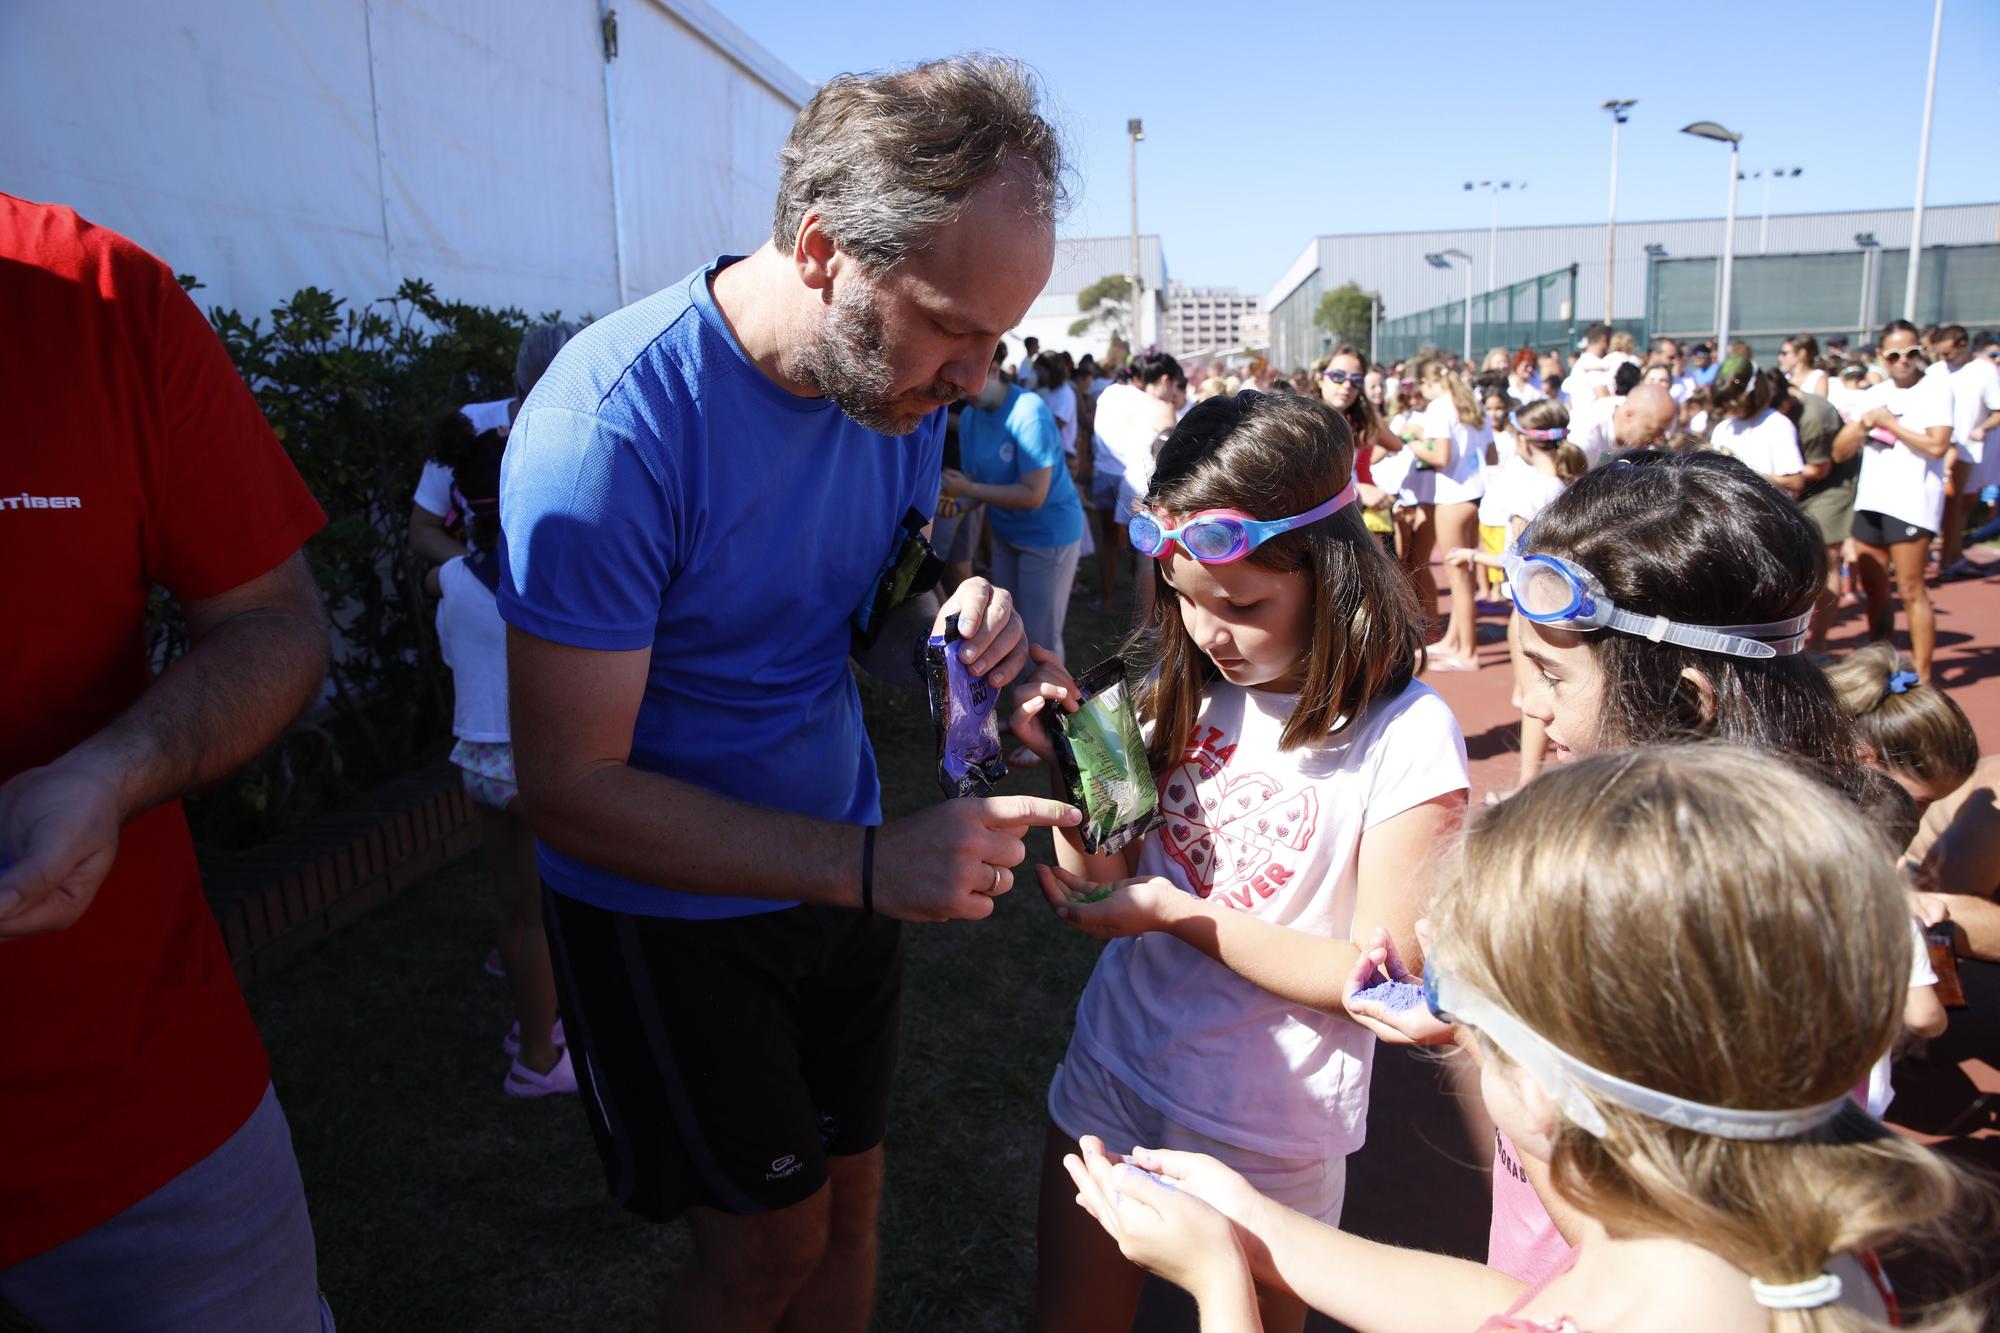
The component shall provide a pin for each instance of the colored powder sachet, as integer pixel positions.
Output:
(1395, 996)
(964, 718)
(1102, 758)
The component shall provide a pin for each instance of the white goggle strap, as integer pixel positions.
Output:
(1565, 1078)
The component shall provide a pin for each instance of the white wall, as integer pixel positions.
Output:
(347, 144)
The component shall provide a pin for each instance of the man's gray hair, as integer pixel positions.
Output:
(539, 345)
(883, 159)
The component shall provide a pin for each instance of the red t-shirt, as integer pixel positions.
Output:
(133, 455)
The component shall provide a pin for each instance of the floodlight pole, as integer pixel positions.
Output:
(1135, 130)
(1923, 171)
(1620, 109)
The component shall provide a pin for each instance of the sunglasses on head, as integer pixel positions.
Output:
(1343, 376)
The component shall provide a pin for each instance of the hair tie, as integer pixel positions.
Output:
(1901, 682)
(1807, 1295)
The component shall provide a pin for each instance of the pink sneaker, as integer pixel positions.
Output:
(525, 1082)
(511, 1043)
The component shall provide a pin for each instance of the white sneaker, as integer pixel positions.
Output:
(525, 1082)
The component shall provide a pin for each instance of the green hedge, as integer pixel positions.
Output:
(350, 391)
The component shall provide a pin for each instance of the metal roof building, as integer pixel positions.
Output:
(1392, 263)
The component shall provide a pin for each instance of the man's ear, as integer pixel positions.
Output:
(1702, 692)
(814, 255)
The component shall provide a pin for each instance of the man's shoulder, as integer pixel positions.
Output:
(657, 353)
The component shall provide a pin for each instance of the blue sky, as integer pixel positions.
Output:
(1269, 124)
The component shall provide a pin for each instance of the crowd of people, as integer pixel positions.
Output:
(699, 516)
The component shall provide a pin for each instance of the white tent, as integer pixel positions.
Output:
(496, 148)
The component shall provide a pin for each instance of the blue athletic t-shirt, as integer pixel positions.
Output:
(996, 445)
(659, 492)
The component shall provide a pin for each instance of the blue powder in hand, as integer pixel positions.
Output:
(1395, 996)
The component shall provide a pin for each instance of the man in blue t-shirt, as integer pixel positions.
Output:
(1011, 459)
(700, 502)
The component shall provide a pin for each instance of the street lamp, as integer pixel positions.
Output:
(1923, 172)
(1136, 130)
(1493, 232)
(1620, 109)
(1764, 227)
(1442, 259)
(1708, 129)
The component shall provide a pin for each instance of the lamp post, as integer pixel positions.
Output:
(1764, 225)
(1442, 259)
(1869, 247)
(1135, 130)
(1923, 170)
(1493, 230)
(1620, 109)
(1708, 129)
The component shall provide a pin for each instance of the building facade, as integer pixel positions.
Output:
(1394, 265)
(1205, 321)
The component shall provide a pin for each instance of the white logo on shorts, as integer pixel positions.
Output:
(788, 1165)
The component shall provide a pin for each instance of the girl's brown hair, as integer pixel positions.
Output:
(1709, 922)
(1272, 456)
(1461, 393)
(1920, 731)
(1549, 414)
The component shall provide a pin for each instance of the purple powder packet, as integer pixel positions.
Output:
(1395, 996)
(964, 716)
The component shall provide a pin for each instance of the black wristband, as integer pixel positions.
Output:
(868, 870)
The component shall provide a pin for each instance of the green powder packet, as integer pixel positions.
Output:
(1102, 759)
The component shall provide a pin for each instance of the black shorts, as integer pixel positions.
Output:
(722, 1062)
(1873, 529)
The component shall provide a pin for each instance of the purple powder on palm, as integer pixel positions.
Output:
(1395, 996)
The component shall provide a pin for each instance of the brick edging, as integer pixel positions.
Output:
(318, 879)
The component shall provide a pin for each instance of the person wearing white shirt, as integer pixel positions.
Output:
(1904, 424)
(1129, 418)
(1798, 361)
(1054, 389)
(1975, 403)
(1604, 427)
(1590, 374)
(1024, 374)
(1749, 430)
(1453, 448)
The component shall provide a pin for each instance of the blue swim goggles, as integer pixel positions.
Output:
(1552, 591)
(1223, 536)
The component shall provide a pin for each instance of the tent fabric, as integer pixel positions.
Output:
(349, 144)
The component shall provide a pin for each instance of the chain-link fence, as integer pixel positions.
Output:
(1843, 294)
(1537, 312)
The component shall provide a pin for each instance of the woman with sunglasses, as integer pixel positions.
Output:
(1902, 429)
(1342, 378)
(1304, 778)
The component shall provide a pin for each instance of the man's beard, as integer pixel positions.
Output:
(849, 363)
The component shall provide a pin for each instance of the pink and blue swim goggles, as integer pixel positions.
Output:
(1224, 536)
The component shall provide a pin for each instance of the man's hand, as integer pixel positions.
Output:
(59, 824)
(995, 643)
(949, 863)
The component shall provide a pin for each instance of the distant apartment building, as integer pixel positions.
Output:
(1207, 319)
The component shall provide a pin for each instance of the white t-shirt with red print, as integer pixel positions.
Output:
(1275, 833)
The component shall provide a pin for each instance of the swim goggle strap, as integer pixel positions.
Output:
(1553, 433)
(1572, 1084)
(1222, 536)
(1552, 591)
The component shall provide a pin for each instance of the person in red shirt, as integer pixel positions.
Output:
(151, 1182)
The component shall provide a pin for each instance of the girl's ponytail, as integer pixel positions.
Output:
(1463, 400)
(1910, 727)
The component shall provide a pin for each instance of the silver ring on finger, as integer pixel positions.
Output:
(996, 881)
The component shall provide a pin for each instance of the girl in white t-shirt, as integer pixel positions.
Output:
(1454, 448)
(1304, 777)
(1544, 461)
(473, 640)
(1748, 428)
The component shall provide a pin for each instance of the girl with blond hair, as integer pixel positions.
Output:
(1688, 1095)
(1453, 449)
